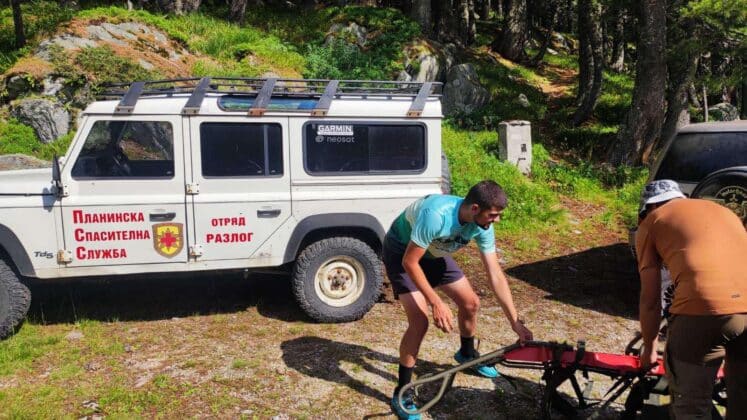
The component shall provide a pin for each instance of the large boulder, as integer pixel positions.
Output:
(48, 118)
(353, 34)
(463, 92)
(427, 61)
(724, 111)
(19, 161)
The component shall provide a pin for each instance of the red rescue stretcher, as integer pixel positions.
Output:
(560, 362)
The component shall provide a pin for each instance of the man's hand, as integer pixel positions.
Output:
(442, 316)
(522, 331)
(649, 357)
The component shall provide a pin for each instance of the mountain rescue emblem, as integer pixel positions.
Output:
(168, 238)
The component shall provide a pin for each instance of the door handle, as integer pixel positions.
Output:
(161, 217)
(267, 213)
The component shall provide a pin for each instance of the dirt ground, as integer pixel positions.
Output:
(241, 348)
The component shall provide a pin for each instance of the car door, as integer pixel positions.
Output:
(242, 184)
(125, 201)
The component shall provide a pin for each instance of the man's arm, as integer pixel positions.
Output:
(649, 313)
(410, 262)
(499, 284)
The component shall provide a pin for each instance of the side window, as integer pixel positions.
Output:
(241, 149)
(692, 156)
(335, 148)
(127, 149)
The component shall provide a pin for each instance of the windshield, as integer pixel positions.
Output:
(692, 156)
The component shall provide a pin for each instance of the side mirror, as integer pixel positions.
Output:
(57, 177)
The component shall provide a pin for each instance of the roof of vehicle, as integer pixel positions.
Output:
(272, 97)
(715, 127)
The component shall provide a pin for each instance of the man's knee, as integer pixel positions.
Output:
(471, 305)
(419, 324)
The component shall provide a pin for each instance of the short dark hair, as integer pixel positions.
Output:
(487, 194)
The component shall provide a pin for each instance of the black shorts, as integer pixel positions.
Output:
(438, 271)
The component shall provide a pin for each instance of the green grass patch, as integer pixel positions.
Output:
(21, 350)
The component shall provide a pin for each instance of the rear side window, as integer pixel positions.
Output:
(360, 148)
(127, 149)
(241, 149)
(692, 156)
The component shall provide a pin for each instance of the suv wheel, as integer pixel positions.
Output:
(337, 279)
(727, 187)
(14, 300)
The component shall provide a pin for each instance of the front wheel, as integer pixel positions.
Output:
(337, 279)
(14, 300)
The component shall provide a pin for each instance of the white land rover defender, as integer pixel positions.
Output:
(227, 173)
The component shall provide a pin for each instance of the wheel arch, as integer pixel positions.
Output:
(313, 228)
(11, 247)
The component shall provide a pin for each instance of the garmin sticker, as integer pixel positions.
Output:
(334, 130)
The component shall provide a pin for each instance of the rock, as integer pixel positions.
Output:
(523, 100)
(66, 41)
(49, 119)
(352, 32)
(18, 85)
(723, 111)
(74, 335)
(463, 91)
(19, 161)
(404, 76)
(432, 60)
(52, 86)
(144, 64)
(551, 51)
(100, 33)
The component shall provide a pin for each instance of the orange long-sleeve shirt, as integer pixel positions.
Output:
(704, 246)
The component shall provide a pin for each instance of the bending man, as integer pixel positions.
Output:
(416, 256)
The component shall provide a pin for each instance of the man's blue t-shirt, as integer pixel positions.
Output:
(432, 222)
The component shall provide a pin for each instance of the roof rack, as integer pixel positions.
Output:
(263, 90)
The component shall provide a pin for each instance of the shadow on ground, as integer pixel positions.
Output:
(161, 296)
(507, 399)
(603, 279)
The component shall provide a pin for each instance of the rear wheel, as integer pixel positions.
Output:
(14, 300)
(337, 279)
(727, 187)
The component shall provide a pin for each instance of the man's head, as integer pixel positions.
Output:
(656, 193)
(485, 201)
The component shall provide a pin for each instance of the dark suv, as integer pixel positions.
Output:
(708, 161)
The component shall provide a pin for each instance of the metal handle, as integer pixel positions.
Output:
(267, 213)
(161, 217)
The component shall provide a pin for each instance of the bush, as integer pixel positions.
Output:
(105, 66)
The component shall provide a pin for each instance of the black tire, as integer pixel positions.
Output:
(337, 279)
(727, 187)
(445, 175)
(14, 300)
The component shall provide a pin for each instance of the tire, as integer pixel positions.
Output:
(445, 175)
(337, 279)
(727, 187)
(14, 300)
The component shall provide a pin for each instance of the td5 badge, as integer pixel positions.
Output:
(168, 238)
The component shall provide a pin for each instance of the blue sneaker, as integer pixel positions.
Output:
(482, 370)
(408, 404)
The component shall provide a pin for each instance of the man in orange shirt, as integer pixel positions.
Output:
(704, 246)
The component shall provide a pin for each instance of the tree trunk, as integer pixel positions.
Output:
(551, 14)
(617, 59)
(471, 23)
(595, 48)
(744, 99)
(681, 75)
(237, 11)
(485, 9)
(643, 121)
(585, 63)
(510, 43)
(421, 13)
(18, 23)
(642, 125)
